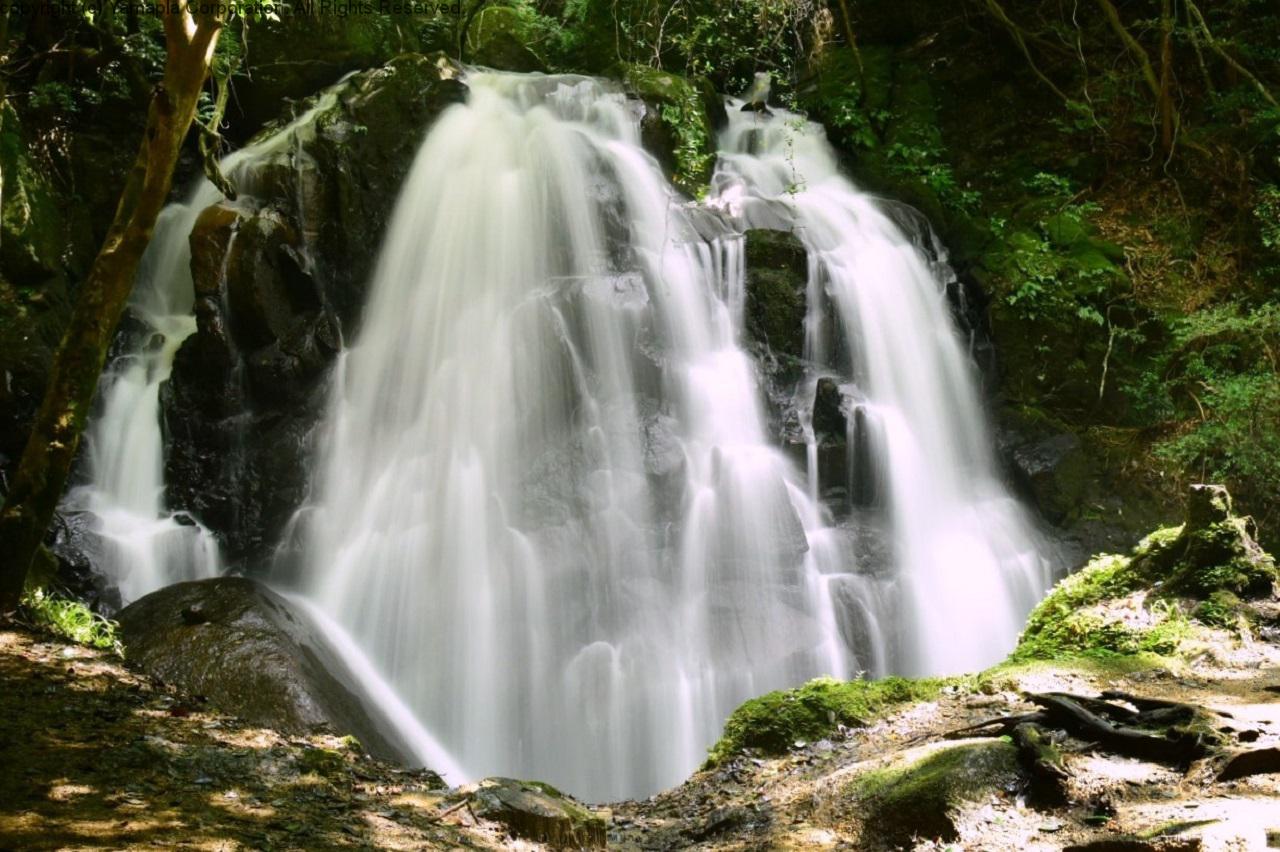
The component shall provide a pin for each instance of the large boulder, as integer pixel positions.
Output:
(1211, 567)
(500, 38)
(280, 277)
(253, 654)
(1055, 472)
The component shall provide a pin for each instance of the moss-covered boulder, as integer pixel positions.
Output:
(777, 273)
(678, 125)
(774, 723)
(537, 812)
(917, 795)
(1154, 599)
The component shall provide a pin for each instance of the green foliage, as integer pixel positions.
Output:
(1267, 212)
(772, 723)
(693, 157)
(1058, 271)
(1222, 609)
(72, 620)
(1219, 377)
(682, 110)
(726, 40)
(927, 164)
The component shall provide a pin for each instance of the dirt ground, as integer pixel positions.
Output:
(95, 756)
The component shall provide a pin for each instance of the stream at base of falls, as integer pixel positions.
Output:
(549, 506)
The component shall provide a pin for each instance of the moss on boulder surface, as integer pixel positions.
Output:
(917, 795)
(773, 723)
(539, 812)
(777, 270)
(679, 123)
(1140, 602)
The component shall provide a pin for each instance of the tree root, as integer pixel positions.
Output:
(1165, 732)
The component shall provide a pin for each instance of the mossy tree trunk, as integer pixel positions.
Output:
(42, 473)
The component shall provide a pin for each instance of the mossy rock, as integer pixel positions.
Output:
(1137, 603)
(917, 795)
(777, 274)
(536, 811)
(775, 722)
(679, 123)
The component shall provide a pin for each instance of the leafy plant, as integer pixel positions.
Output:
(71, 619)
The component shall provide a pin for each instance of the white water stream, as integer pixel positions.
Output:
(145, 546)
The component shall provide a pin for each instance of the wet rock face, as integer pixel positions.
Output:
(250, 653)
(777, 268)
(280, 277)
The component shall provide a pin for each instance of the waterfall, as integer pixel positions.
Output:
(969, 559)
(547, 503)
(143, 546)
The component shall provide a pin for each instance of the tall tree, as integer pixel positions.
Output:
(190, 40)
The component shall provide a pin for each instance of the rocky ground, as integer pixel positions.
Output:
(95, 756)
(817, 797)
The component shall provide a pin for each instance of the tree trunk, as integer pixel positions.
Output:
(46, 461)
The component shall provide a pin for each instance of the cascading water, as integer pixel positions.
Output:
(144, 546)
(548, 506)
(968, 557)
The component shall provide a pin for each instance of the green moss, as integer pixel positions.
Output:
(680, 107)
(773, 722)
(1073, 619)
(915, 797)
(1221, 557)
(71, 619)
(776, 277)
(1087, 614)
(322, 761)
(936, 773)
(1222, 609)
